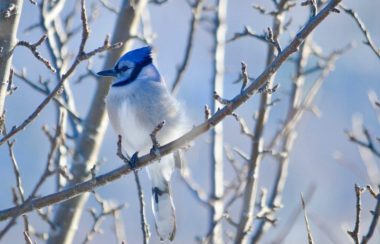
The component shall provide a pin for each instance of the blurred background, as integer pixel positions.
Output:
(322, 155)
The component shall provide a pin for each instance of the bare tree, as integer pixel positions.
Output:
(217, 174)
(10, 17)
(244, 203)
(88, 144)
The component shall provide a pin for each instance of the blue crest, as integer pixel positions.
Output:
(139, 56)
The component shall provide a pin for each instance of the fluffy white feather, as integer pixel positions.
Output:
(134, 111)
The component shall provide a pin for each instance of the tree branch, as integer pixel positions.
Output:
(81, 56)
(140, 194)
(196, 10)
(362, 27)
(309, 235)
(87, 145)
(86, 186)
(249, 197)
(375, 218)
(356, 232)
(10, 12)
(36, 53)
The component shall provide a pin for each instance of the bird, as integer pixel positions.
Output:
(139, 100)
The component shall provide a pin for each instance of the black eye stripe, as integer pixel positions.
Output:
(121, 69)
(134, 73)
(124, 68)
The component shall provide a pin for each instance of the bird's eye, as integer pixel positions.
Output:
(124, 68)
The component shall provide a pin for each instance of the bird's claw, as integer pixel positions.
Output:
(133, 160)
(154, 151)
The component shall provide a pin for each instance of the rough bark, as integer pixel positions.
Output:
(10, 12)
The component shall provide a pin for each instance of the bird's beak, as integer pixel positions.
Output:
(107, 72)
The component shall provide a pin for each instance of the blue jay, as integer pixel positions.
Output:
(137, 102)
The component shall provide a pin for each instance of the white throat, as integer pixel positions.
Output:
(149, 72)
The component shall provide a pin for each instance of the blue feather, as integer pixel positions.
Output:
(141, 57)
(138, 56)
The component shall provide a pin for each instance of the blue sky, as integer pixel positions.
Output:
(343, 95)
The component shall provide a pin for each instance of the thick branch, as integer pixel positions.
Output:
(10, 12)
(81, 56)
(249, 198)
(67, 215)
(86, 186)
(294, 114)
(217, 171)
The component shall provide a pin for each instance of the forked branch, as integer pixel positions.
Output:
(141, 162)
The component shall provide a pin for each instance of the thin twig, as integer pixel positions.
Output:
(291, 220)
(81, 56)
(89, 185)
(246, 32)
(196, 10)
(252, 175)
(55, 142)
(87, 144)
(153, 135)
(108, 6)
(27, 238)
(375, 218)
(19, 187)
(356, 232)
(207, 112)
(309, 235)
(363, 28)
(243, 126)
(326, 227)
(297, 114)
(40, 89)
(36, 53)
(119, 228)
(275, 195)
(371, 191)
(272, 39)
(244, 74)
(220, 99)
(10, 88)
(265, 211)
(313, 6)
(368, 144)
(194, 188)
(266, 37)
(144, 223)
(7, 227)
(107, 209)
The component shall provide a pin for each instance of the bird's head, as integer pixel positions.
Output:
(129, 66)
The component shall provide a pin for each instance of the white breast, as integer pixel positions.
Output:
(122, 115)
(136, 109)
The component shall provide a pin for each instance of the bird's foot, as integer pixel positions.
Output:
(133, 160)
(154, 151)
